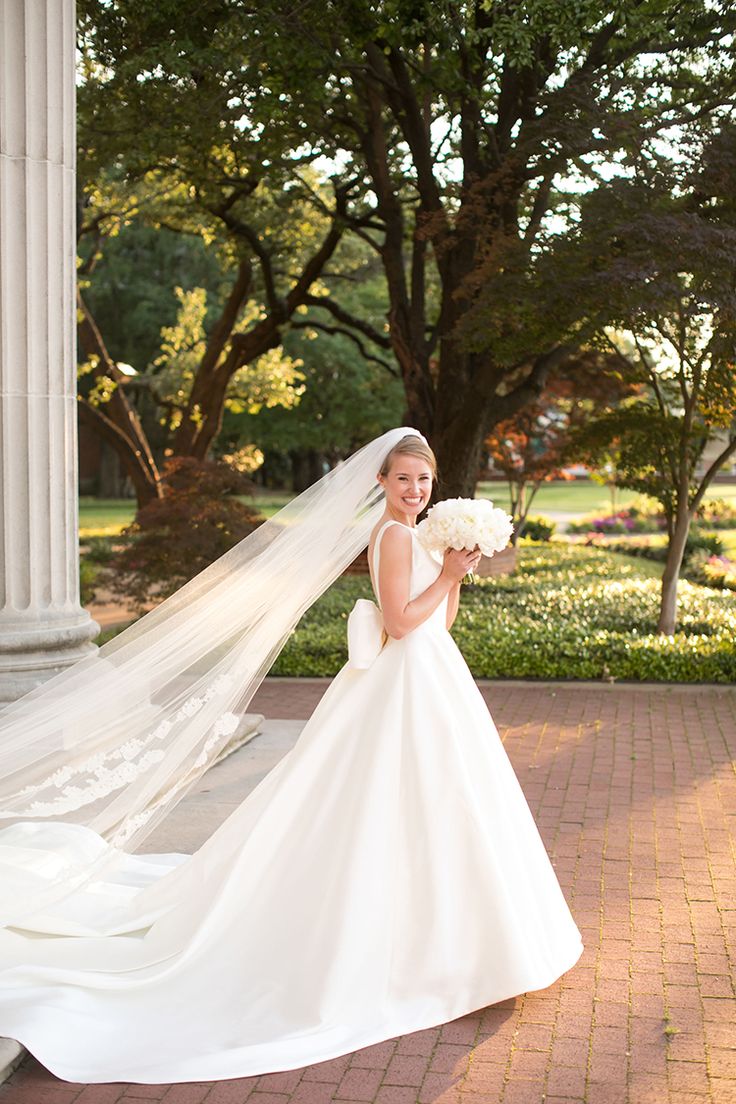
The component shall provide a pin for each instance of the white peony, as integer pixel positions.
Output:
(464, 523)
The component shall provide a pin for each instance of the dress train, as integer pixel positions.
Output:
(386, 876)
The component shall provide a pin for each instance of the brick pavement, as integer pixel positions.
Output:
(634, 792)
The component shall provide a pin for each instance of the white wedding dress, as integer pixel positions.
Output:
(386, 876)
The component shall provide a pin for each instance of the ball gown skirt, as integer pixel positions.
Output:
(386, 876)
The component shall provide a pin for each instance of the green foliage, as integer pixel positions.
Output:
(345, 402)
(698, 541)
(271, 380)
(657, 275)
(175, 537)
(171, 136)
(131, 288)
(656, 549)
(98, 550)
(88, 580)
(567, 612)
(712, 569)
(457, 133)
(347, 398)
(538, 529)
(95, 554)
(716, 513)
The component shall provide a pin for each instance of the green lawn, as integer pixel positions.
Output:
(105, 517)
(579, 497)
(582, 496)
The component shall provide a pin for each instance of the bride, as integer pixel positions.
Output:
(386, 876)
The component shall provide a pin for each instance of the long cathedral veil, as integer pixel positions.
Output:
(101, 752)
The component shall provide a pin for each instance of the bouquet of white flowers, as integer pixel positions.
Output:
(465, 523)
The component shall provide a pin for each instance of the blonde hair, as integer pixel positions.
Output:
(411, 445)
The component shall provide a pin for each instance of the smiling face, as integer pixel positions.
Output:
(408, 486)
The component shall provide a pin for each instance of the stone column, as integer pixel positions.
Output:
(43, 628)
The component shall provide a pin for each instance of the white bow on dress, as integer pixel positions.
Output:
(366, 633)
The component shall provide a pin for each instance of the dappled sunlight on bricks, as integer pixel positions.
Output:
(634, 794)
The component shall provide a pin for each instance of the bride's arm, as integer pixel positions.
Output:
(453, 602)
(400, 615)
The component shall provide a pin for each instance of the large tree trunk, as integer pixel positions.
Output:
(307, 466)
(209, 390)
(461, 414)
(458, 446)
(675, 553)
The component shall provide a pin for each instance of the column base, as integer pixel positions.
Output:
(33, 652)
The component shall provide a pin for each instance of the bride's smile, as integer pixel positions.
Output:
(408, 487)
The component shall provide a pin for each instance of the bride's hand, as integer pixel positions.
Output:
(457, 564)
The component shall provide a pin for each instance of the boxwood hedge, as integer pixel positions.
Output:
(568, 612)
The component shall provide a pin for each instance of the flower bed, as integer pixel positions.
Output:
(712, 514)
(713, 571)
(631, 520)
(701, 548)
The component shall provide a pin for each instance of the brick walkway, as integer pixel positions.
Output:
(634, 792)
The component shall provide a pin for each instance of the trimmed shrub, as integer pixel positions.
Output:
(538, 529)
(697, 542)
(88, 581)
(95, 553)
(716, 513)
(568, 612)
(711, 570)
(98, 550)
(173, 538)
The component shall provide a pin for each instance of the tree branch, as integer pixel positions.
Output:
(729, 450)
(530, 388)
(243, 230)
(328, 303)
(364, 352)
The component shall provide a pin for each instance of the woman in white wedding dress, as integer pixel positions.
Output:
(386, 876)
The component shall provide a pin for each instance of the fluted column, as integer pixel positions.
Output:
(43, 628)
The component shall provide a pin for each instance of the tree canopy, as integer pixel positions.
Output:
(453, 139)
(664, 248)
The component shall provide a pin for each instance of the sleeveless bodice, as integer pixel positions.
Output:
(425, 568)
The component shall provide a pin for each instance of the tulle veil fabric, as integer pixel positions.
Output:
(113, 742)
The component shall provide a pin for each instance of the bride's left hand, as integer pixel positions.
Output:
(475, 560)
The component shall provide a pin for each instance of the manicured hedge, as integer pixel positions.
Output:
(568, 612)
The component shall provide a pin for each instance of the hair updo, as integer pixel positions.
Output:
(410, 445)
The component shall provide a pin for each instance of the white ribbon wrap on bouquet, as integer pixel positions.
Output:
(366, 634)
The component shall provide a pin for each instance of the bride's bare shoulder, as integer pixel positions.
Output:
(395, 536)
(395, 540)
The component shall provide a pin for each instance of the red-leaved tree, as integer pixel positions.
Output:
(531, 448)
